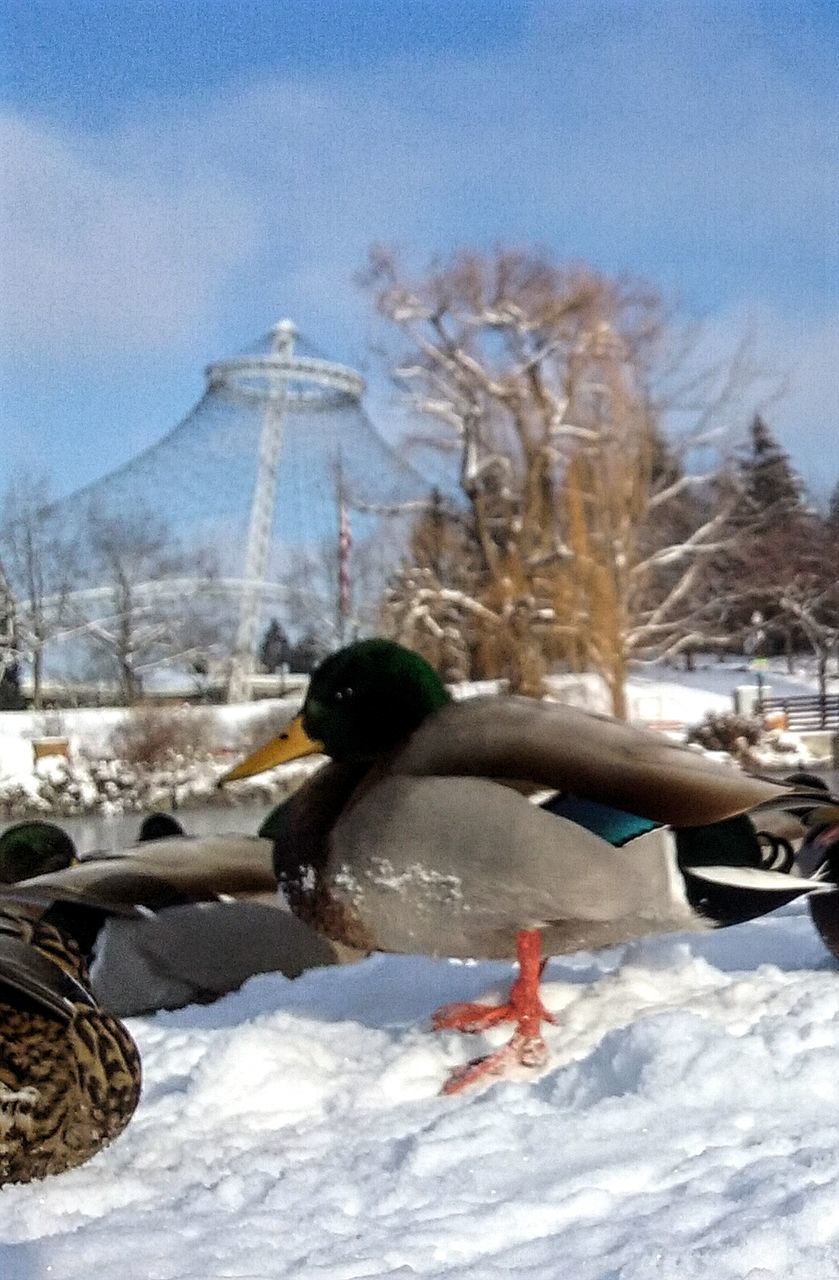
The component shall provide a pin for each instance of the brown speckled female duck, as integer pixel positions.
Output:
(69, 1073)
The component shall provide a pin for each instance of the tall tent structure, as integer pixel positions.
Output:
(275, 459)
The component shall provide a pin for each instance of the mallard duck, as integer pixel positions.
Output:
(69, 1072)
(34, 848)
(414, 837)
(171, 921)
(158, 826)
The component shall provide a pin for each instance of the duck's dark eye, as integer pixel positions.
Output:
(341, 694)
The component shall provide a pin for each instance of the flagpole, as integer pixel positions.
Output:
(344, 548)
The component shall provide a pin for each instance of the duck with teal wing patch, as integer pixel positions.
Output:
(69, 1072)
(415, 835)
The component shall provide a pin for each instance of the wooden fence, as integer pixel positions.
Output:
(804, 711)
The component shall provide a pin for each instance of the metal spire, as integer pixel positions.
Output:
(282, 381)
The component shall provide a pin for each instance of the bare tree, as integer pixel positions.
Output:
(487, 358)
(645, 529)
(814, 605)
(11, 698)
(789, 573)
(550, 388)
(148, 607)
(8, 637)
(430, 602)
(41, 563)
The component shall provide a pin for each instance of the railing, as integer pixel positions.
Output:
(804, 711)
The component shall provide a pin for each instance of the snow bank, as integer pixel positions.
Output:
(687, 1126)
(90, 780)
(89, 729)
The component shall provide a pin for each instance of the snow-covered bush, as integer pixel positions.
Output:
(154, 735)
(727, 731)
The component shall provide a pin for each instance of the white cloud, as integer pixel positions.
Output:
(100, 251)
(635, 143)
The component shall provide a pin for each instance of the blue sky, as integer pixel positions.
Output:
(177, 175)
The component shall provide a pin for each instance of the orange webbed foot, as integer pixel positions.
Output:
(527, 1047)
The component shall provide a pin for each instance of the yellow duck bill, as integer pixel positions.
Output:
(291, 744)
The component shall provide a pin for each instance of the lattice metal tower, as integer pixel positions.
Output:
(282, 381)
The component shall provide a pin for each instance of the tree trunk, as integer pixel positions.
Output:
(616, 680)
(129, 682)
(37, 674)
(525, 659)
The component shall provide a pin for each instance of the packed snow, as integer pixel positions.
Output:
(686, 1126)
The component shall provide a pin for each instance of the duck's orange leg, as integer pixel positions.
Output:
(526, 1048)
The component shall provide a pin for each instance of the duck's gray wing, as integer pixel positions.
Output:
(593, 756)
(196, 953)
(456, 866)
(161, 874)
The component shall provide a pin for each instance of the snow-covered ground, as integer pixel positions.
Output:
(660, 692)
(687, 1127)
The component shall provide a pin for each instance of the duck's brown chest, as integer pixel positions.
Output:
(310, 897)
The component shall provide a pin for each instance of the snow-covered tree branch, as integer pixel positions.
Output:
(586, 530)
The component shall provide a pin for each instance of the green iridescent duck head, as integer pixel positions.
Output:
(34, 849)
(362, 701)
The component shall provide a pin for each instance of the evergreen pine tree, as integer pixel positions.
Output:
(307, 653)
(11, 695)
(275, 648)
(776, 532)
(772, 489)
(833, 511)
